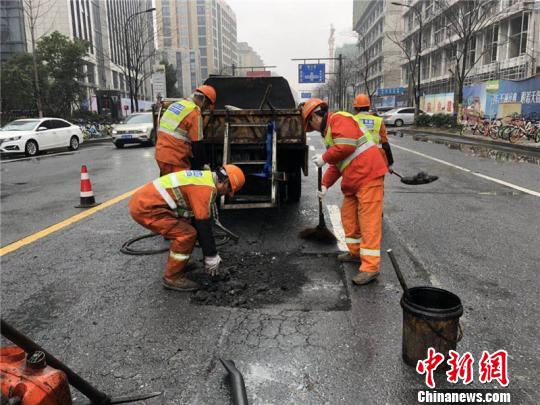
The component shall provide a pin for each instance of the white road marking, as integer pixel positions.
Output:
(335, 218)
(311, 147)
(483, 176)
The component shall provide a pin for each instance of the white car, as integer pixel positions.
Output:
(32, 135)
(400, 116)
(136, 128)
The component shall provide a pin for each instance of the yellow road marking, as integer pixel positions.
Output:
(60, 225)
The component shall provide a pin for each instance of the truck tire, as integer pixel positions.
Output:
(294, 186)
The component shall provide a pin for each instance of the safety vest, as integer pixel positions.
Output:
(362, 144)
(174, 115)
(373, 125)
(174, 181)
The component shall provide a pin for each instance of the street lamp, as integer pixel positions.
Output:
(128, 59)
(418, 52)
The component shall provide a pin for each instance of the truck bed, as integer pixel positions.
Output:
(288, 121)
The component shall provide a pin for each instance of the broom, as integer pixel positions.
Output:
(320, 233)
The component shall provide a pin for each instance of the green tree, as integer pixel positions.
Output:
(17, 82)
(170, 80)
(64, 64)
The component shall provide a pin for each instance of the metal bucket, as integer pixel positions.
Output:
(430, 319)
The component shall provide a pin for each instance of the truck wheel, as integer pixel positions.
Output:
(294, 186)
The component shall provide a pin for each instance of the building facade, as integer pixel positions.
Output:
(12, 33)
(102, 23)
(376, 22)
(198, 37)
(505, 47)
(247, 57)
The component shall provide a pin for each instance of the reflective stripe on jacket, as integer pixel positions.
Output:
(173, 182)
(174, 115)
(362, 144)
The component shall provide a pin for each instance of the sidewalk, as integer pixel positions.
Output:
(529, 146)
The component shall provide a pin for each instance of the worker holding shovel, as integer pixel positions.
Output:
(352, 155)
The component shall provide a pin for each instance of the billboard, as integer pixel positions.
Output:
(311, 73)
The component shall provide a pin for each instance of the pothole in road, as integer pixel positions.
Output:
(286, 281)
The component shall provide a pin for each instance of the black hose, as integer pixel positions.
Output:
(238, 388)
(222, 239)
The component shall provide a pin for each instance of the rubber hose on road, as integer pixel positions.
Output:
(128, 250)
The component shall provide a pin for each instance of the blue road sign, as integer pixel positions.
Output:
(305, 95)
(311, 73)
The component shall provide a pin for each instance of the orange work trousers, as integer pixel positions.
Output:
(167, 168)
(145, 209)
(361, 216)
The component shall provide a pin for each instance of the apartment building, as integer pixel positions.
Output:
(506, 47)
(198, 37)
(376, 22)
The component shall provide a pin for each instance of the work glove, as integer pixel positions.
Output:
(321, 194)
(211, 265)
(318, 160)
(390, 169)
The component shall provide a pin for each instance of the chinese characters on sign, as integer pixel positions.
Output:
(311, 73)
(491, 367)
(391, 91)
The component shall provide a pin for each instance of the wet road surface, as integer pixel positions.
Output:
(308, 336)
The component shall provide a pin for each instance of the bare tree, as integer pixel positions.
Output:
(34, 10)
(364, 71)
(410, 49)
(466, 22)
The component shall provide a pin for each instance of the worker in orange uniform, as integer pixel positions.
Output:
(180, 129)
(178, 206)
(375, 125)
(352, 155)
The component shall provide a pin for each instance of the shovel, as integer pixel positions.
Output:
(419, 178)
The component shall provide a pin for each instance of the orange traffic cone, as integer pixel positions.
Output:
(87, 195)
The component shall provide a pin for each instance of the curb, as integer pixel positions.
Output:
(98, 140)
(415, 131)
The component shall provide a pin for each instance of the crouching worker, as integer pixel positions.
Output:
(179, 207)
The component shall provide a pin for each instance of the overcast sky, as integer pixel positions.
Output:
(279, 30)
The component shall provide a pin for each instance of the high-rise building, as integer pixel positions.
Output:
(377, 21)
(504, 47)
(198, 37)
(102, 23)
(247, 57)
(12, 35)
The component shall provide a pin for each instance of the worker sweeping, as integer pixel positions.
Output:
(352, 155)
(180, 130)
(375, 125)
(178, 206)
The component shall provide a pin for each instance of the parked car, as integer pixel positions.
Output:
(400, 116)
(32, 135)
(381, 110)
(136, 128)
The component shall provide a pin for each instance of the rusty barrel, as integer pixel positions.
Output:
(430, 319)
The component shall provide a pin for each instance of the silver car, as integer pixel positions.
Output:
(400, 116)
(136, 128)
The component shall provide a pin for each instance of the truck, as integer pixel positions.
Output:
(256, 125)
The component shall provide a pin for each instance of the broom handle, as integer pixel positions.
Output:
(322, 223)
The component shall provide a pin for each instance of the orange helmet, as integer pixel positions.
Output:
(310, 106)
(236, 177)
(209, 92)
(361, 100)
